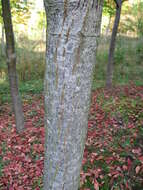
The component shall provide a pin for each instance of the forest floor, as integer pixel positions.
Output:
(113, 157)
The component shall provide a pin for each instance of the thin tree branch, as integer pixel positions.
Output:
(117, 3)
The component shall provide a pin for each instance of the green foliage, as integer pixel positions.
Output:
(132, 21)
(0, 12)
(119, 53)
(20, 11)
(109, 8)
(25, 88)
(42, 20)
(30, 60)
(38, 184)
(128, 62)
(138, 13)
(1, 166)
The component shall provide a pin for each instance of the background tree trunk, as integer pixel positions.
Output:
(2, 42)
(110, 64)
(11, 62)
(73, 28)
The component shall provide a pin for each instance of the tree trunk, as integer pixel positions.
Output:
(11, 62)
(2, 42)
(110, 64)
(73, 29)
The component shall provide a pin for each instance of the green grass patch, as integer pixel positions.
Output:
(25, 88)
(128, 62)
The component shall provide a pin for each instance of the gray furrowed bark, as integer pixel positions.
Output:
(73, 29)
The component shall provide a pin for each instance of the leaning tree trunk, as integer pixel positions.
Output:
(73, 29)
(11, 62)
(110, 64)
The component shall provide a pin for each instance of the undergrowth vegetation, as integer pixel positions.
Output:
(31, 64)
(128, 62)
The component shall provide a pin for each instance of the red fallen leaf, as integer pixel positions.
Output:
(131, 125)
(11, 188)
(83, 176)
(121, 187)
(129, 163)
(93, 155)
(37, 188)
(116, 175)
(141, 159)
(135, 135)
(109, 159)
(101, 176)
(25, 177)
(137, 169)
(95, 172)
(99, 158)
(31, 139)
(27, 159)
(96, 185)
(127, 186)
(84, 161)
(113, 173)
(118, 169)
(15, 186)
(20, 188)
(136, 151)
(125, 168)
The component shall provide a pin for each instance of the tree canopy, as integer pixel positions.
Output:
(20, 11)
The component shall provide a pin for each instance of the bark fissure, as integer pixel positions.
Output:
(65, 10)
(77, 57)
